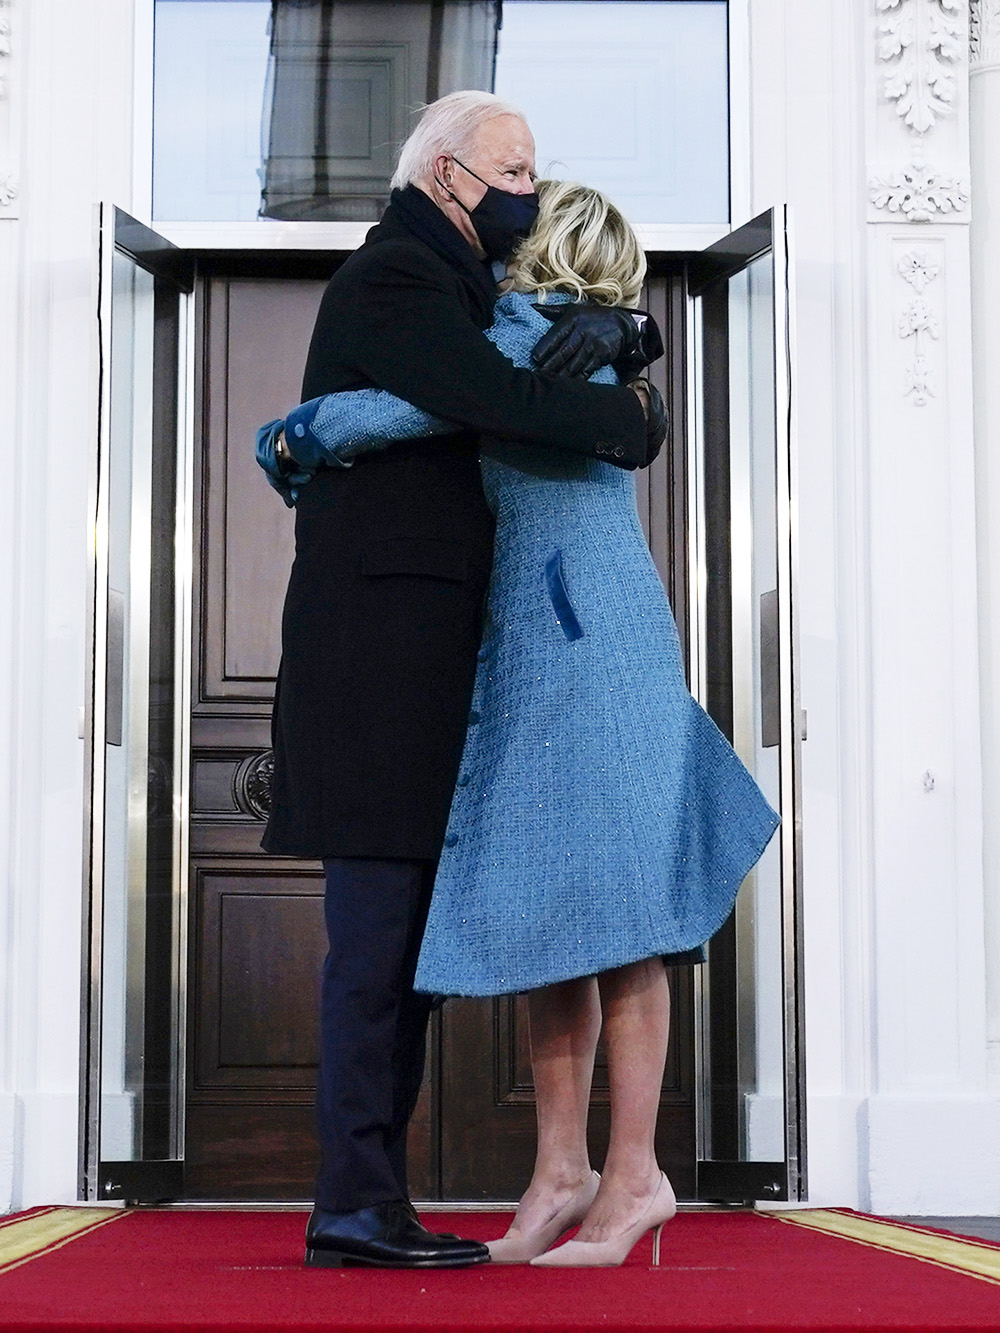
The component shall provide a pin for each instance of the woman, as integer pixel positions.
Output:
(601, 823)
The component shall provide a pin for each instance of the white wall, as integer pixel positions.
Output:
(984, 100)
(796, 120)
(66, 127)
(901, 1117)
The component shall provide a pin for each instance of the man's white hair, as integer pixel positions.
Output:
(449, 125)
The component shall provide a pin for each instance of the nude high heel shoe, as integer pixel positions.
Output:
(612, 1253)
(520, 1249)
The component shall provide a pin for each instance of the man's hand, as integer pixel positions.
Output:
(584, 338)
(657, 417)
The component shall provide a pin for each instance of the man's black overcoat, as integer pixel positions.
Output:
(382, 617)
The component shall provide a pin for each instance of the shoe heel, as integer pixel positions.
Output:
(324, 1259)
(656, 1245)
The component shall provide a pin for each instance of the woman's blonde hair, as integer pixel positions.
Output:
(580, 244)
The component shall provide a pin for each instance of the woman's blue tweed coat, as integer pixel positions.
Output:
(600, 816)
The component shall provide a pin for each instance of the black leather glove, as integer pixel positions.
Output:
(586, 337)
(657, 417)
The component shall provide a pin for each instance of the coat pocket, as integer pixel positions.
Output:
(561, 604)
(424, 557)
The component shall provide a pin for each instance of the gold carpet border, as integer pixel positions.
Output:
(958, 1254)
(26, 1238)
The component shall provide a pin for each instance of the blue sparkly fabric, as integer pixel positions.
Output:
(600, 816)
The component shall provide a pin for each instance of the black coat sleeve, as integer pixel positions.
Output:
(412, 333)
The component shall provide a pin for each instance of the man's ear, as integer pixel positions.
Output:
(443, 172)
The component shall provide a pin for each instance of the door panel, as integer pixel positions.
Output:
(751, 1136)
(258, 334)
(131, 1140)
(256, 922)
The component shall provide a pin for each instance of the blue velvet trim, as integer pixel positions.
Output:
(560, 597)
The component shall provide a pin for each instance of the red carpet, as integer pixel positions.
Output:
(91, 1269)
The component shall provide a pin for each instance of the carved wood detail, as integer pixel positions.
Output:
(252, 784)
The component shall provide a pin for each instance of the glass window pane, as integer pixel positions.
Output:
(210, 69)
(138, 1032)
(630, 97)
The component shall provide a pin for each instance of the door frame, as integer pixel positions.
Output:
(117, 232)
(768, 233)
(162, 256)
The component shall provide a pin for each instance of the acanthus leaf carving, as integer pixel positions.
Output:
(918, 193)
(922, 42)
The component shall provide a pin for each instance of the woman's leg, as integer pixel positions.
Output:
(565, 1024)
(636, 1003)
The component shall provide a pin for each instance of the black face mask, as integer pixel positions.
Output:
(500, 219)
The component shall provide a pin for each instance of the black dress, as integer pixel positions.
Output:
(382, 619)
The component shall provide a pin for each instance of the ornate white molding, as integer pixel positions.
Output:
(984, 33)
(921, 42)
(918, 193)
(9, 186)
(918, 320)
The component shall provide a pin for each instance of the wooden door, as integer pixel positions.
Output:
(256, 923)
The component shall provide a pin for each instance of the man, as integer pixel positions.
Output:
(382, 622)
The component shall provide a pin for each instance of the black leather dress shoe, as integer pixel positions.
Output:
(387, 1235)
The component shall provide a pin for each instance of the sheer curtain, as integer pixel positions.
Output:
(345, 85)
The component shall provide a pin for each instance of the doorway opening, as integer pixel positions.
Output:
(233, 1064)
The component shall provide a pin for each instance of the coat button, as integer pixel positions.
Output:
(482, 655)
(463, 781)
(300, 430)
(451, 840)
(473, 718)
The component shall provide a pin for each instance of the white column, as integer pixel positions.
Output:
(66, 134)
(931, 1129)
(984, 112)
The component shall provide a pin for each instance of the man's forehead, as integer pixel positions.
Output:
(507, 137)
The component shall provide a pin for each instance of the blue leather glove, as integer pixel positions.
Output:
(286, 475)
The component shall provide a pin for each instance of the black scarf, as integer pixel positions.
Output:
(416, 213)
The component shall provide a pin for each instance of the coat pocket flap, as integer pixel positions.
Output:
(423, 556)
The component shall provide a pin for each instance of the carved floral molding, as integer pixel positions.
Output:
(918, 193)
(984, 32)
(8, 188)
(919, 320)
(922, 44)
(921, 51)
